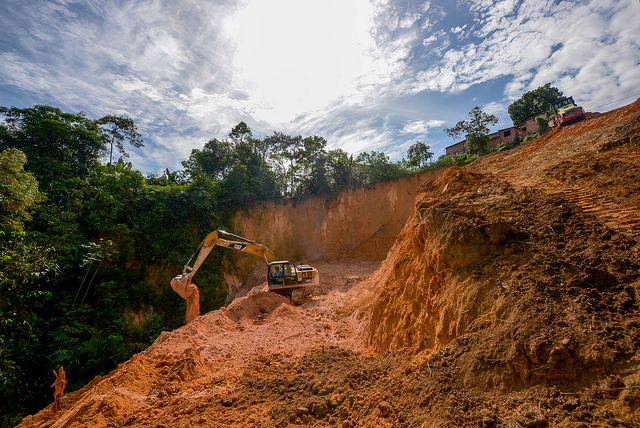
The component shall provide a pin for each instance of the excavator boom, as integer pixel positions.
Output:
(229, 240)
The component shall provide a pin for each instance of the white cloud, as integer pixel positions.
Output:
(495, 108)
(295, 57)
(409, 20)
(188, 71)
(439, 35)
(420, 126)
(204, 67)
(16, 70)
(596, 45)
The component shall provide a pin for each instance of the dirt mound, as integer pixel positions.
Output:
(509, 299)
(514, 291)
(505, 290)
(196, 374)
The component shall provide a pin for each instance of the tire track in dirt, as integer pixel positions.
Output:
(624, 219)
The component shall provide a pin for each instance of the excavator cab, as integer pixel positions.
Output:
(287, 279)
(282, 273)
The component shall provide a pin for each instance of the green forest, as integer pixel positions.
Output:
(89, 244)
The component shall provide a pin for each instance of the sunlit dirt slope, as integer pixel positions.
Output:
(509, 299)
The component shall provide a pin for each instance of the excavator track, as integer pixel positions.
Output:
(298, 295)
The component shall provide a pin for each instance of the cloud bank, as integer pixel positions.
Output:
(365, 74)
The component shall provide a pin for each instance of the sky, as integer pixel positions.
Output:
(364, 74)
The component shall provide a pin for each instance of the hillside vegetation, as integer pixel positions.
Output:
(509, 299)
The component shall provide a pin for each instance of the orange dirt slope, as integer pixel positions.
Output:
(509, 299)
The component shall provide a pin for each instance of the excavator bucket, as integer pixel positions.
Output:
(181, 285)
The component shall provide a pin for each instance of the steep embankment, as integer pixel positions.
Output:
(582, 179)
(519, 275)
(355, 224)
(509, 299)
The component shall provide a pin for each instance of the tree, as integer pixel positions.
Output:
(476, 130)
(18, 189)
(342, 168)
(236, 165)
(313, 161)
(23, 263)
(266, 146)
(375, 166)
(109, 190)
(61, 148)
(241, 132)
(119, 129)
(214, 160)
(419, 154)
(534, 103)
(249, 177)
(288, 148)
(542, 123)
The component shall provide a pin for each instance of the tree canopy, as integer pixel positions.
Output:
(534, 103)
(60, 147)
(419, 154)
(18, 190)
(476, 130)
(117, 130)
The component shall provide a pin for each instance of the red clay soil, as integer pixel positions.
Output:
(509, 299)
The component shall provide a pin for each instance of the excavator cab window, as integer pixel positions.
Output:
(275, 274)
(282, 273)
(289, 270)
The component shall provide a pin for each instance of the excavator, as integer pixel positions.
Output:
(283, 277)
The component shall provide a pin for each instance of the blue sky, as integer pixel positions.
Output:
(364, 74)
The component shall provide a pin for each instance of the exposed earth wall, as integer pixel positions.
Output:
(354, 224)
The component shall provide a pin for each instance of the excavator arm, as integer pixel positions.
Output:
(222, 239)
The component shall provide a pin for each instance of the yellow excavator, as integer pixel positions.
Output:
(283, 277)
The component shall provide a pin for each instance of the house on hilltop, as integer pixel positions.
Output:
(506, 135)
(456, 149)
(530, 125)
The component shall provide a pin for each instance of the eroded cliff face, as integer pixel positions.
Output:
(355, 224)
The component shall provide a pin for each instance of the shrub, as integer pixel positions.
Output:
(542, 123)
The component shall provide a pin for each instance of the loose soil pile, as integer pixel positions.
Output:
(509, 299)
